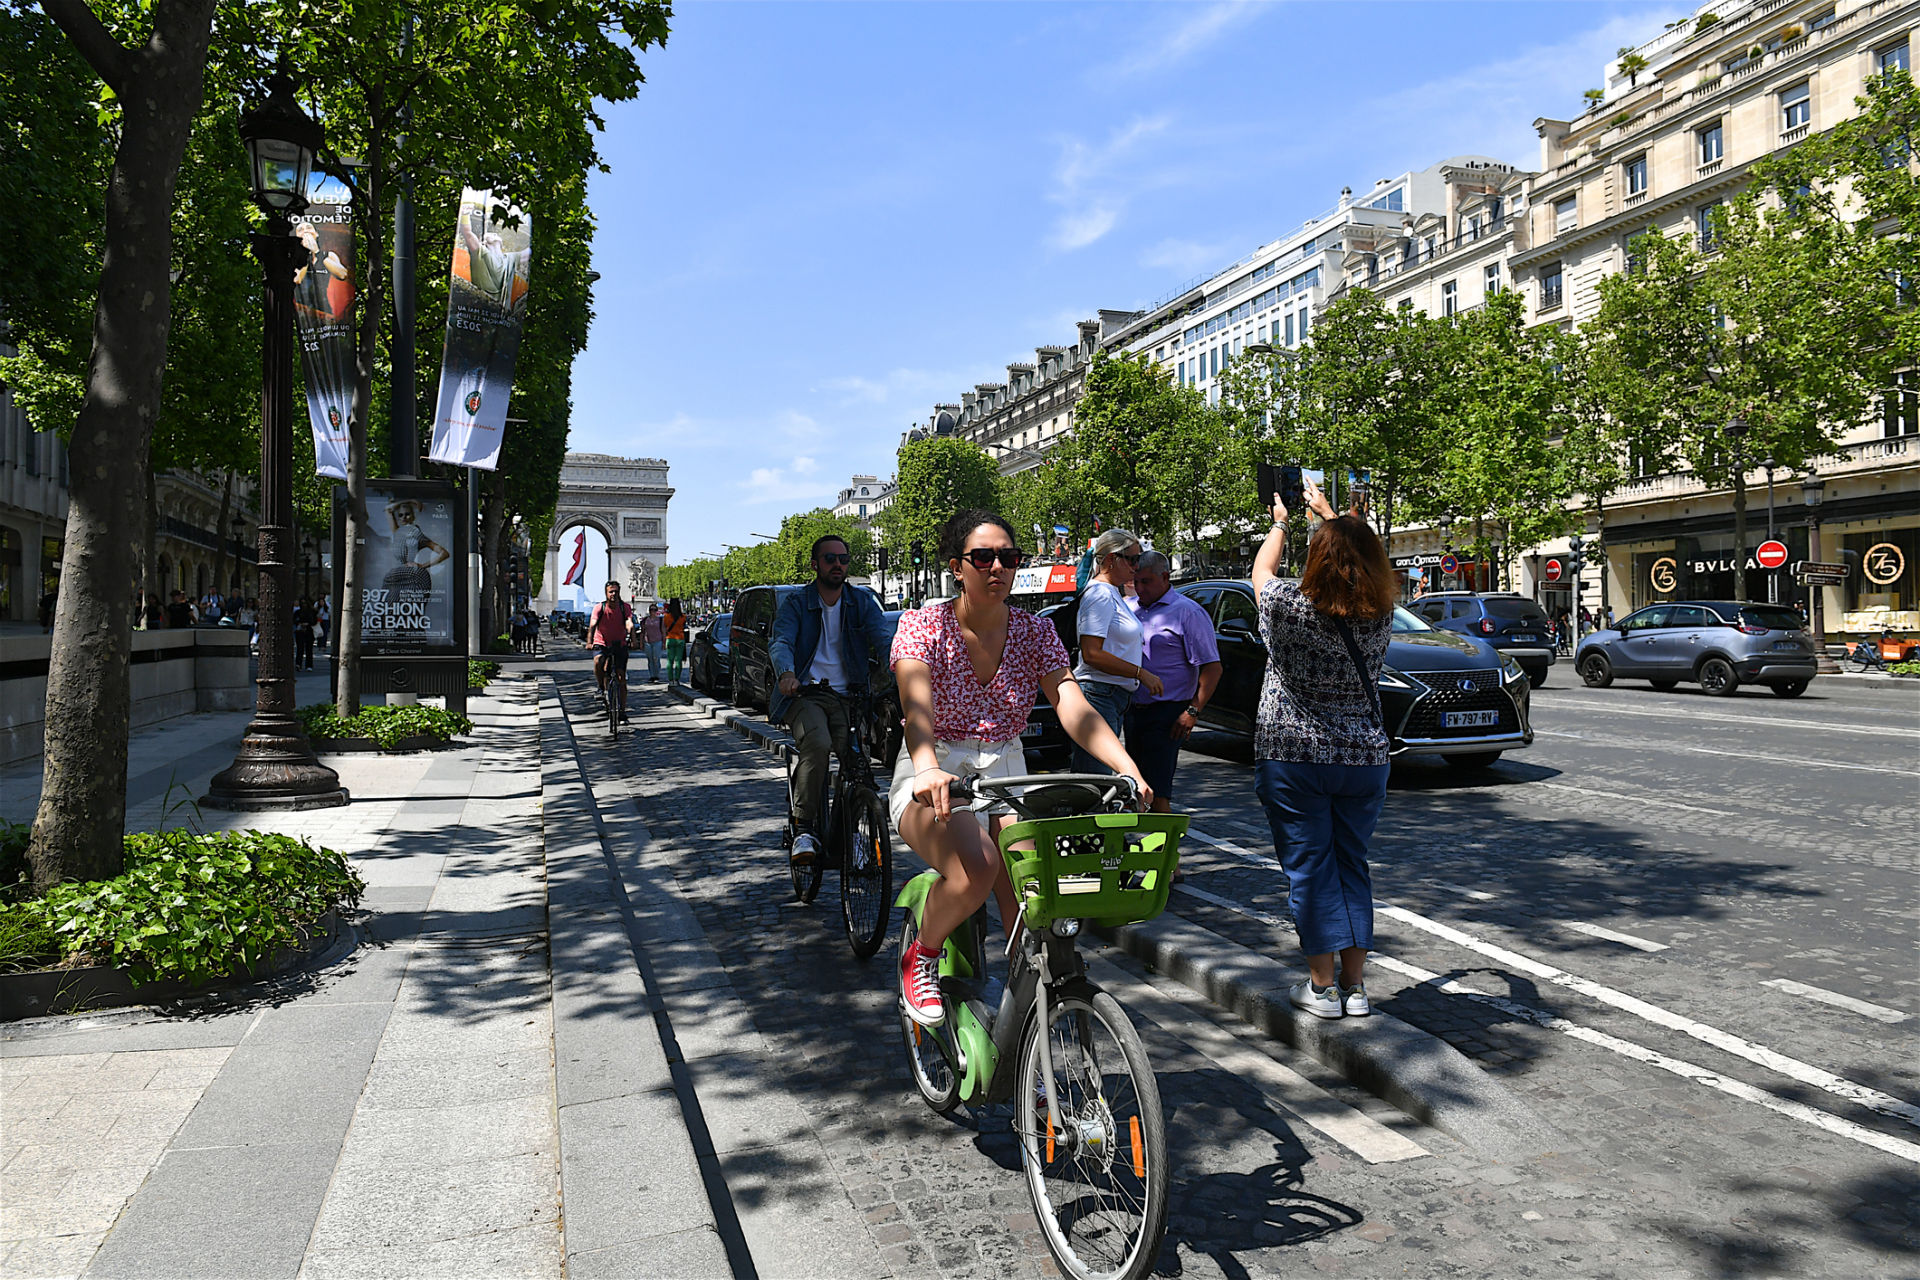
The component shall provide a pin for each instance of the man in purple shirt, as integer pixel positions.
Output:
(1178, 646)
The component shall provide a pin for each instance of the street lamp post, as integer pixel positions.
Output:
(275, 767)
(1773, 575)
(1813, 489)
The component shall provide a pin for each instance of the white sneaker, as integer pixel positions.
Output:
(1321, 1002)
(1354, 1001)
(806, 849)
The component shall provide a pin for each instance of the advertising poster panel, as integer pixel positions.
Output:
(485, 308)
(414, 601)
(323, 295)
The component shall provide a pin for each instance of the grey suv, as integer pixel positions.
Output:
(1718, 644)
(1510, 622)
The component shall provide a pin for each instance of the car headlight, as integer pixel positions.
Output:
(1393, 679)
(1511, 669)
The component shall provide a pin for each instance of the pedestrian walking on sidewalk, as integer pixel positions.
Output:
(1109, 669)
(675, 626)
(303, 636)
(1319, 742)
(1177, 645)
(653, 639)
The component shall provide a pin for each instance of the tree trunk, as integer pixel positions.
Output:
(372, 297)
(80, 825)
(220, 533)
(1740, 532)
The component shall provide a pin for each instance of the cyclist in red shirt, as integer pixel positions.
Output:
(608, 631)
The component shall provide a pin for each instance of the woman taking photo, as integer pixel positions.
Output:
(1109, 669)
(968, 670)
(1318, 741)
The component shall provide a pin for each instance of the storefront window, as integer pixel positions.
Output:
(1883, 580)
(1703, 569)
(51, 549)
(9, 571)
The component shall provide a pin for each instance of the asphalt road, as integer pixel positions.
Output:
(1604, 920)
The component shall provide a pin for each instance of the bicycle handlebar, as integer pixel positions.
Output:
(1111, 786)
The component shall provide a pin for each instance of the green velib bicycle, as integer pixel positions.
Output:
(1086, 1105)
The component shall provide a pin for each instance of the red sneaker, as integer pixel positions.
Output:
(920, 986)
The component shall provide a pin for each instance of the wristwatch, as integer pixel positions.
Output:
(1192, 711)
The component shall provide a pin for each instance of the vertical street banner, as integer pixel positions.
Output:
(485, 307)
(323, 296)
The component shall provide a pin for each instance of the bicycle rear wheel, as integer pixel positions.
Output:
(933, 1076)
(866, 872)
(1099, 1180)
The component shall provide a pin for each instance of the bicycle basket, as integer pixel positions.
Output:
(1107, 868)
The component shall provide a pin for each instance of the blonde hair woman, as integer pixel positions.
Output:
(1109, 668)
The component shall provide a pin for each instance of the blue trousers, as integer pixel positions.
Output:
(1111, 701)
(1323, 817)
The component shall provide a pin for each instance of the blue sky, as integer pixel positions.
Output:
(824, 217)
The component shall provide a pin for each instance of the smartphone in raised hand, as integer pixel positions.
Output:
(1293, 488)
(1267, 483)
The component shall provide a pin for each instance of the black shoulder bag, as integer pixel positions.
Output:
(1360, 669)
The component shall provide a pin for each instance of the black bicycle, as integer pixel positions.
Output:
(855, 835)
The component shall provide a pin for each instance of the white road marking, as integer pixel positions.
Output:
(1615, 795)
(1760, 1055)
(1624, 939)
(1252, 913)
(1478, 895)
(1189, 1017)
(1834, 998)
(1823, 727)
(1833, 1124)
(1796, 761)
(1260, 859)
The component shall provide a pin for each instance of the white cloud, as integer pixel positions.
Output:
(912, 384)
(1094, 183)
(1185, 256)
(791, 484)
(1198, 28)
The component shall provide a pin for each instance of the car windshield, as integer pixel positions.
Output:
(1404, 621)
(1516, 610)
(1772, 617)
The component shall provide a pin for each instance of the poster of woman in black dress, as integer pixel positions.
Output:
(323, 297)
(414, 603)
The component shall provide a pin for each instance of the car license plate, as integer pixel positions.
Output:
(1786, 644)
(1525, 639)
(1468, 719)
(1031, 731)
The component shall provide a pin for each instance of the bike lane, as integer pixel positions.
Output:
(835, 1167)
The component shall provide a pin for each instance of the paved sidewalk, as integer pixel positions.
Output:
(388, 1113)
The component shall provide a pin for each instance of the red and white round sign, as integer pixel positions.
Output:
(1771, 554)
(1553, 571)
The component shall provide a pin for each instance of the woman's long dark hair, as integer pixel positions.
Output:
(673, 607)
(1347, 574)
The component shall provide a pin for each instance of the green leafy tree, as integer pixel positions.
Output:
(153, 67)
(937, 477)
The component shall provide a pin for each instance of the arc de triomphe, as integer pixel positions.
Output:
(625, 499)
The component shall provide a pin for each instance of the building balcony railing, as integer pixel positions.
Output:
(1793, 135)
(1710, 168)
(1867, 455)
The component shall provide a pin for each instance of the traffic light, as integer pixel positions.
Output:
(1577, 560)
(919, 553)
(881, 560)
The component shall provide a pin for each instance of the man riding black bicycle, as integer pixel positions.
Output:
(821, 643)
(609, 632)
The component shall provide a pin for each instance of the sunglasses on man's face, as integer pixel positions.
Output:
(983, 557)
(833, 557)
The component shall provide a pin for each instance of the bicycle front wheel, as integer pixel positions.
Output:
(933, 1075)
(866, 873)
(1097, 1178)
(615, 700)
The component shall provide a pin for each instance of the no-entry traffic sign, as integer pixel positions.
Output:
(1449, 565)
(1553, 571)
(1771, 554)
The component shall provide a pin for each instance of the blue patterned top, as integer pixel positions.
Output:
(1313, 708)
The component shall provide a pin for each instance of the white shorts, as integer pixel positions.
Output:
(968, 756)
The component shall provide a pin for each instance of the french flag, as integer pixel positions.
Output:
(577, 571)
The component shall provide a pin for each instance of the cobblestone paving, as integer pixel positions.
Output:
(1657, 1177)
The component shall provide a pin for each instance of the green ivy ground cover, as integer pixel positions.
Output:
(189, 906)
(388, 726)
(480, 671)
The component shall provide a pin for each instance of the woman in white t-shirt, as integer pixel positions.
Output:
(1109, 669)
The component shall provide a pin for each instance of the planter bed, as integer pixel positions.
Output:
(418, 742)
(39, 993)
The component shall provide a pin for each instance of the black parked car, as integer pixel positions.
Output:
(747, 642)
(1441, 693)
(710, 657)
(1512, 623)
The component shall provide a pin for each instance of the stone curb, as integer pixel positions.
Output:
(1415, 1070)
(631, 1182)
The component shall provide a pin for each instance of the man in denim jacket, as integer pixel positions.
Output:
(822, 641)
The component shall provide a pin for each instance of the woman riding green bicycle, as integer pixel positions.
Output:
(968, 672)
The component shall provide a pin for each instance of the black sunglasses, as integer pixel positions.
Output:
(1133, 559)
(983, 557)
(831, 557)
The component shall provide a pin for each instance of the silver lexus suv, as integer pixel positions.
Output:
(1717, 644)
